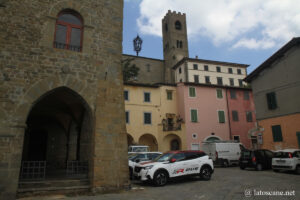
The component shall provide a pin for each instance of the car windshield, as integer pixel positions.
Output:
(164, 157)
(281, 154)
(132, 156)
(140, 149)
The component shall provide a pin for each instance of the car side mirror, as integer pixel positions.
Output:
(172, 160)
(137, 160)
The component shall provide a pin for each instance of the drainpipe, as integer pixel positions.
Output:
(228, 115)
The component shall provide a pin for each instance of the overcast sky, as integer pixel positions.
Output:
(240, 31)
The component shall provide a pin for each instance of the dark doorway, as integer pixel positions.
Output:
(57, 142)
(175, 145)
(37, 145)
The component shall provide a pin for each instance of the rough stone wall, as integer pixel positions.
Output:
(151, 70)
(30, 67)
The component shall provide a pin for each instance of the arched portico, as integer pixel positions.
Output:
(149, 140)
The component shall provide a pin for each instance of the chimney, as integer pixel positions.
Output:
(196, 57)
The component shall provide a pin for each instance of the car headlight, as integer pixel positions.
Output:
(148, 167)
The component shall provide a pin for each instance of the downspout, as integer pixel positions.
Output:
(228, 115)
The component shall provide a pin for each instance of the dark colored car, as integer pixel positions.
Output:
(257, 159)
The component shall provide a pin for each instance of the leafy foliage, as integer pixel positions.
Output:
(130, 71)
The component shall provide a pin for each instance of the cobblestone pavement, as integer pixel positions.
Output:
(226, 183)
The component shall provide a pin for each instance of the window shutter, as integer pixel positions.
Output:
(221, 116)
(194, 117)
(192, 92)
(271, 100)
(219, 93)
(277, 134)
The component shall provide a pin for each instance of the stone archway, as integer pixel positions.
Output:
(58, 138)
(130, 140)
(172, 142)
(149, 140)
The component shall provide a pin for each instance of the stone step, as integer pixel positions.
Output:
(46, 187)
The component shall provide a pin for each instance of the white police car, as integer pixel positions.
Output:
(175, 164)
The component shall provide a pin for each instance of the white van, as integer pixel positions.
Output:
(223, 153)
(137, 148)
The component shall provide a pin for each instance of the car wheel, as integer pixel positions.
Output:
(205, 173)
(259, 167)
(160, 178)
(298, 169)
(225, 163)
(242, 166)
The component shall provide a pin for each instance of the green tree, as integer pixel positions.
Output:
(129, 70)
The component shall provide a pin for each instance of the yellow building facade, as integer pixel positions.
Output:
(152, 117)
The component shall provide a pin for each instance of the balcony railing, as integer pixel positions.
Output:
(66, 46)
(172, 127)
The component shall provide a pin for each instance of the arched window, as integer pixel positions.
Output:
(178, 25)
(69, 31)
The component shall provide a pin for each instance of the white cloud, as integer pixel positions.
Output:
(260, 24)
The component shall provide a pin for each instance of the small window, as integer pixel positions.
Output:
(147, 118)
(194, 135)
(195, 147)
(68, 31)
(147, 97)
(271, 100)
(179, 70)
(235, 116)
(232, 94)
(249, 116)
(277, 134)
(126, 95)
(219, 80)
(207, 79)
(239, 71)
(231, 82)
(180, 80)
(246, 95)
(236, 138)
(127, 117)
(169, 95)
(219, 94)
(230, 70)
(241, 83)
(218, 69)
(194, 116)
(192, 92)
(195, 66)
(177, 25)
(196, 78)
(221, 115)
(179, 44)
(148, 67)
(205, 67)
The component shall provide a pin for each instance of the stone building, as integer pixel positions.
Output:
(61, 94)
(276, 96)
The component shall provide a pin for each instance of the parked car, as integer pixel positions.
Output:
(223, 153)
(175, 164)
(140, 157)
(259, 159)
(287, 160)
(137, 148)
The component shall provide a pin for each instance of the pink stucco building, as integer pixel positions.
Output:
(242, 115)
(212, 112)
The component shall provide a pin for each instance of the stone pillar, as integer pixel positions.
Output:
(11, 147)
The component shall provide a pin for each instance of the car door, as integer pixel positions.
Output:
(269, 155)
(192, 162)
(178, 167)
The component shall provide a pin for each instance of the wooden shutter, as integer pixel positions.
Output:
(219, 93)
(277, 134)
(194, 117)
(221, 116)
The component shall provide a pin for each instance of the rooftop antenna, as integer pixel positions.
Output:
(137, 44)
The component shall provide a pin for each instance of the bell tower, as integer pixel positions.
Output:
(175, 43)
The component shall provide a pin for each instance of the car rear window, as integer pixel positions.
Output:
(246, 154)
(281, 155)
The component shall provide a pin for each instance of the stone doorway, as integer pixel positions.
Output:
(58, 138)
